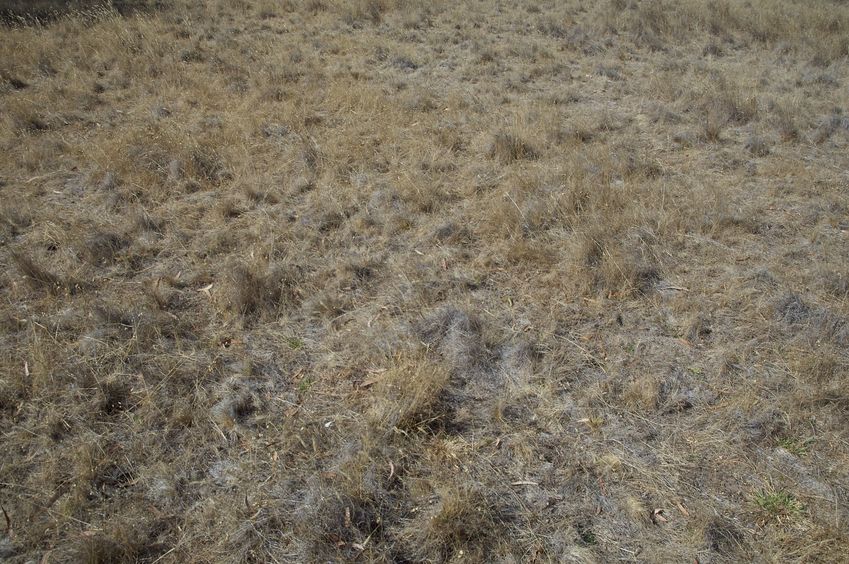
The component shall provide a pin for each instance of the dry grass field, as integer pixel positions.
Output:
(411, 281)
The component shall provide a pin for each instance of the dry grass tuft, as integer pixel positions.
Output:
(370, 11)
(464, 523)
(39, 277)
(102, 247)
(757, 146)
(508, 147)
(611, 268)
(254, 289)
(412, 397)
(728, 104)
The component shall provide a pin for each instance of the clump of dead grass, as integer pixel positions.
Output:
(757, 146)
(465, 522)
(508, 147)
(370, 11)
(39, 277)
(254, 289)
(350, 514)
(102, 247)
(411, 397)
(611, 268)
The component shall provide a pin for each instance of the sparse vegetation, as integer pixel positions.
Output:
(777, 504)
(406, 281)
(795, 446)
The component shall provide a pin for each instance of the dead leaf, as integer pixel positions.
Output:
(657, 516)
(682, 509)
